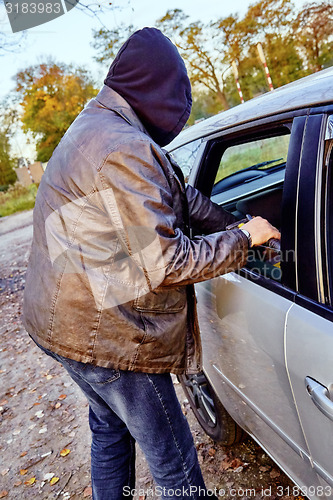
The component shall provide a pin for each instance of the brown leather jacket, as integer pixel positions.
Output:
(111, 272)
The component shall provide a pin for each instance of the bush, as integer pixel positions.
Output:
(17, 198)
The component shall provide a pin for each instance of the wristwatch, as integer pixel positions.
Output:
(247, 234)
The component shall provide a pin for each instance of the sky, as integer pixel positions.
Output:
(68, 39)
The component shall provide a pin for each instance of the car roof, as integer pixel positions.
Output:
(311, 90)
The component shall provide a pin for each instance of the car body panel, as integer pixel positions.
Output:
(314, 360)
(244, 360)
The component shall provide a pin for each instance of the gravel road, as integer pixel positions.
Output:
(45, 439)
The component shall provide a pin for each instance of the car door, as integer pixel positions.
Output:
(309, 325)
(242, 316)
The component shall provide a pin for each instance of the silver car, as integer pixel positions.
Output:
(267, 330)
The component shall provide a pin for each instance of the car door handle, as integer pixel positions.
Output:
(320, 396)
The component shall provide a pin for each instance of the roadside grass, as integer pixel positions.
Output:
(17, 198)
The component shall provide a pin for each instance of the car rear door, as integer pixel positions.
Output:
(309, 327)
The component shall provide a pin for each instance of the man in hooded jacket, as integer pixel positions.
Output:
(109, 287)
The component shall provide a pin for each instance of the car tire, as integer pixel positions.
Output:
(209, 411)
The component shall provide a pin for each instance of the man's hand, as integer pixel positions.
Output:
(261, 230)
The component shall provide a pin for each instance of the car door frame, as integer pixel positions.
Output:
(313, 298)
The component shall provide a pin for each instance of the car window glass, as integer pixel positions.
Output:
(261, 154)
(249, 180)
(185, 156)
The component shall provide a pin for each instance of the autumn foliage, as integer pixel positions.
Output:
(52, 96)
(295, 43)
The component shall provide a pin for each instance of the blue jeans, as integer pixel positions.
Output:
(125, 407)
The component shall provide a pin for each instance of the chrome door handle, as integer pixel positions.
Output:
(320, 396)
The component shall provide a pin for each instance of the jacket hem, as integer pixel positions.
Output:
(111, 363)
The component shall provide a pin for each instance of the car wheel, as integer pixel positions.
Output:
(209, 411)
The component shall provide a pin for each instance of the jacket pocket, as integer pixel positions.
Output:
(167, 300)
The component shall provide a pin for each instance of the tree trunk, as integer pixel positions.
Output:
(222, 98)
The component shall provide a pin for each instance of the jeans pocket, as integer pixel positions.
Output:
(92, 374)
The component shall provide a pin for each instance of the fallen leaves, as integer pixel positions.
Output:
(274, 474)
(3, 493)
(23, 472)
(62, 396)
(87, 492)
(30, 481)
(65, 452)
(54, 480)
(234, 464)
(211, 452)
(48, 476)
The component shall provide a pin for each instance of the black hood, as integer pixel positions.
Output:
(150, 74)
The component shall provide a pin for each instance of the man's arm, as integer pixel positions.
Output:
(206, 217)
(139, 200)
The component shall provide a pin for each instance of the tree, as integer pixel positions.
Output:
(270, 23)
(292, 44)
(202, 60)
(205, 60)
(7, 163)
(314, 32)
(205, 104)
(236, 37)
(52, 95)
(108, 42)
(7, 172)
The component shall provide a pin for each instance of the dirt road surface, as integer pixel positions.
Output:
(45, 439)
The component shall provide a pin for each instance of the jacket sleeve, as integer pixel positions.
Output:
(136, 187)
(206, 217)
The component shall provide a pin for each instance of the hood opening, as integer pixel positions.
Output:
(149, 73)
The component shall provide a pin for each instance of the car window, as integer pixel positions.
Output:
(249, 180)
(185, 156)
(244, 162)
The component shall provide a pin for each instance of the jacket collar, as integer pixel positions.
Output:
(115, 102)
